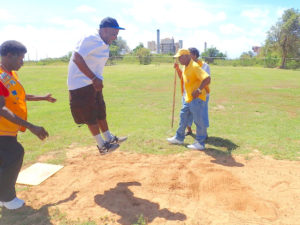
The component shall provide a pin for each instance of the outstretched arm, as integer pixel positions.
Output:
(40, 132)
(48, 97)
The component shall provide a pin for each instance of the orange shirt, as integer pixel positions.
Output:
(15, 102)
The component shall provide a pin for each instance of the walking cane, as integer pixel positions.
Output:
(174, 94)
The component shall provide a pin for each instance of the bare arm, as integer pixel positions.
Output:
(48, 97)
(179, 72)
(40, 132)
(205, 82)
(83, 67)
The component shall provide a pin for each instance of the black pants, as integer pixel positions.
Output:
(11, 159)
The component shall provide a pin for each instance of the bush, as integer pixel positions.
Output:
(144, 56)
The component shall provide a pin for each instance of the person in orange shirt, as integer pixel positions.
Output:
(195, 56)
(13, 118)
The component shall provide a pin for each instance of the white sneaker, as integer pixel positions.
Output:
(174, 141)
(197, 146)
(1, 204)
(16, 203)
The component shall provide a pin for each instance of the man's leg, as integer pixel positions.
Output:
(103, 125)
(11, 159)
(184, 115)
(84, 106)
(189, 125)
(206, 111)
(198, 111)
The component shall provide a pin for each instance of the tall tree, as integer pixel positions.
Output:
(284, 37)
(118, 47)
(212, 53)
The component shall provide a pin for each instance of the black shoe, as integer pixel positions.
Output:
(188, 133)
(107, 148)
(117, 140)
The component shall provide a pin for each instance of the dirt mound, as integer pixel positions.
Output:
(190, 188)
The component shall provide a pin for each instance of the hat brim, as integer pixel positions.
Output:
(119, 28)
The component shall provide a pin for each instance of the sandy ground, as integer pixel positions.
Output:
(190, 188)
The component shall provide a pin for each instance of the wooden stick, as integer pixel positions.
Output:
(174, 94)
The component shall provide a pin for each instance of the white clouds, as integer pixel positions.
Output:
(47, 41)
(280, 11)
(69, 23)
(231, 29)
(256, 14)
(5, 15)
(85, 9)
(187, 14)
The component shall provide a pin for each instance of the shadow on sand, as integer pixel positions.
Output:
(120, 200)
(28, 215)
(221, 157)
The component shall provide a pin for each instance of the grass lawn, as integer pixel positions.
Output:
(250, 109)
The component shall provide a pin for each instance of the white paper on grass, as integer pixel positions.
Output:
(37, 173)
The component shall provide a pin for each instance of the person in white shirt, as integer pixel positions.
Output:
(195, 56)
(85, 83)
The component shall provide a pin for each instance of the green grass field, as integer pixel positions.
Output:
(250, 109)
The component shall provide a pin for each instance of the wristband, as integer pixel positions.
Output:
(199, 90)
(94, 78)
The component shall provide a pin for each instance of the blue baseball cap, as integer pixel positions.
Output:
(110, 22)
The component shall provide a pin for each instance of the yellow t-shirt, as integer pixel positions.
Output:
(193, 76)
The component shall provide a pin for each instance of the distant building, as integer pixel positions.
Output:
(151, 45)
(180, 43)
(164, 46)
(167, 46)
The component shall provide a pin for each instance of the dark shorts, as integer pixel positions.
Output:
(87, 105)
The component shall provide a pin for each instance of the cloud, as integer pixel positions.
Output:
(280, 11)
(5, 15)
(46, 41)
(256, 15)
(85, 9)
(230, 29)
(69, 23)
(171, 12)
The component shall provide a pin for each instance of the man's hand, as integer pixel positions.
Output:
(48, 97)
(98, 84)
(40, 132)
(196, 93)
(176, 66)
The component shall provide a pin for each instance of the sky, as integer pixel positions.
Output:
(51, 28)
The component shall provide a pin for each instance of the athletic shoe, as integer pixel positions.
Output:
(196, 146)
(117, 140)
(107, 148)
(16, 203)
(174, 141)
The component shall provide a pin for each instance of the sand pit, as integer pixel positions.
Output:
(190, 188)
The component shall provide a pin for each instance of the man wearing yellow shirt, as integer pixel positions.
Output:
(195, 80)
(195, 56)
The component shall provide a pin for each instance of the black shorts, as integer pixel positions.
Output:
(87, 105)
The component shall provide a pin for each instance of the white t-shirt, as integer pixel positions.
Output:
(95, 53)
(206, 68)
